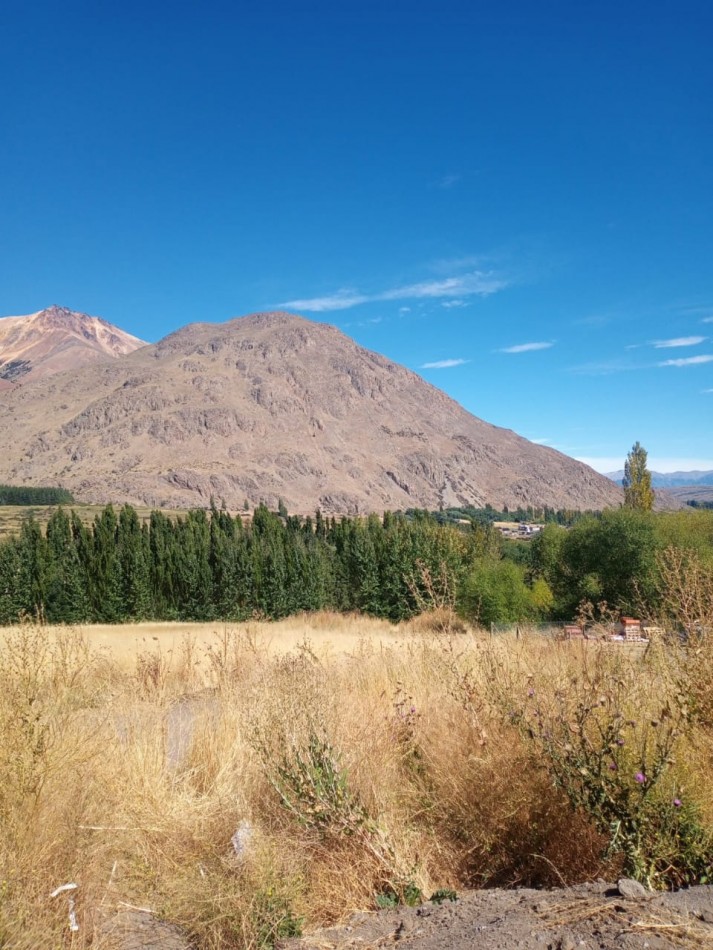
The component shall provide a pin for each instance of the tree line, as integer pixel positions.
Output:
(210, 565)
(29, 495)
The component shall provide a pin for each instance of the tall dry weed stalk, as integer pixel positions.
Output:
(48, 688)
(685, 595)
(434, 593)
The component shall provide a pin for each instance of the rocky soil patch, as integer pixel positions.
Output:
(597, 916)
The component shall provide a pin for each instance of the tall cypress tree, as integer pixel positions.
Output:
(133, 555)
(163, 566)
(105, 578)
(12, 593)
(66, 596)
(33, 568)
(194, 578)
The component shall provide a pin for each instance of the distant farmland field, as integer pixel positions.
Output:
(12, 516)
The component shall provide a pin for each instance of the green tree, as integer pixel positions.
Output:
(611, 559)
(496, 592)
(33, 564)
(66, 598)
(638, 492)
(105, 577)
(133, 551)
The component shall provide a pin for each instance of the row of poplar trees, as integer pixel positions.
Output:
(210, 565)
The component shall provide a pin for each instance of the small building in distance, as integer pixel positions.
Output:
(527, 530)
(516, 529)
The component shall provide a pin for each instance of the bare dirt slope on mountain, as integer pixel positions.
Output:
(271, 406)
(54, 340)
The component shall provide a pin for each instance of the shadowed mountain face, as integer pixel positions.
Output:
(54, 340)
(273, 406)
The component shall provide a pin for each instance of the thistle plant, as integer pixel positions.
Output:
(618, 769)
(314, 788)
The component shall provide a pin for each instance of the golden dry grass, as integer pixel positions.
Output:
(12, 516)
(326, 632)
(352, 758)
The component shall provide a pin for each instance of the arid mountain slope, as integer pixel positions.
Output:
(54, 340)
(270, 406)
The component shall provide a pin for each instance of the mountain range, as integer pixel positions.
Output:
(670, 479)
(261, 407)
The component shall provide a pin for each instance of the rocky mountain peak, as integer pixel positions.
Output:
(54, 340)
(271, 406)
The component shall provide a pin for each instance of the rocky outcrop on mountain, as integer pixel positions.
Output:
(54, 340)
(274, 406)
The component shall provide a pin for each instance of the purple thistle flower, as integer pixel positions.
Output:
(677, 803)
(613, 767)
(620, 742)
(530, 692)
(640, 778)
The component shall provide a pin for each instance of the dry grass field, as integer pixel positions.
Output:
(245, 782)
(326, 633)
(12, 516)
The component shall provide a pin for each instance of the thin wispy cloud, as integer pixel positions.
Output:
(595, 320)
(707, 390)
(466, 262)
(475, 283)
(341, 300)
(451, 304)
(526, 347)
(604, 367)
(443, 364)
(707, 320)
(540, 441)
(448, 181)
(689, 361)
(679, 341)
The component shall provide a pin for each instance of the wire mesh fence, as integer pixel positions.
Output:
(569, 630)
(554, 629)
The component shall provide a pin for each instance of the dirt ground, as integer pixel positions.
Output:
(586, 917)
(589, 916)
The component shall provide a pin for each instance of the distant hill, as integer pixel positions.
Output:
(273, 406)
(670, 479)
(686, 493)
(54, 340)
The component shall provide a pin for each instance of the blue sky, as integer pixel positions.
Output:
(514, 200)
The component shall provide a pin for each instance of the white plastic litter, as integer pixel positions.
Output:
(62, 889)
(73, 925)
(241, 839)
